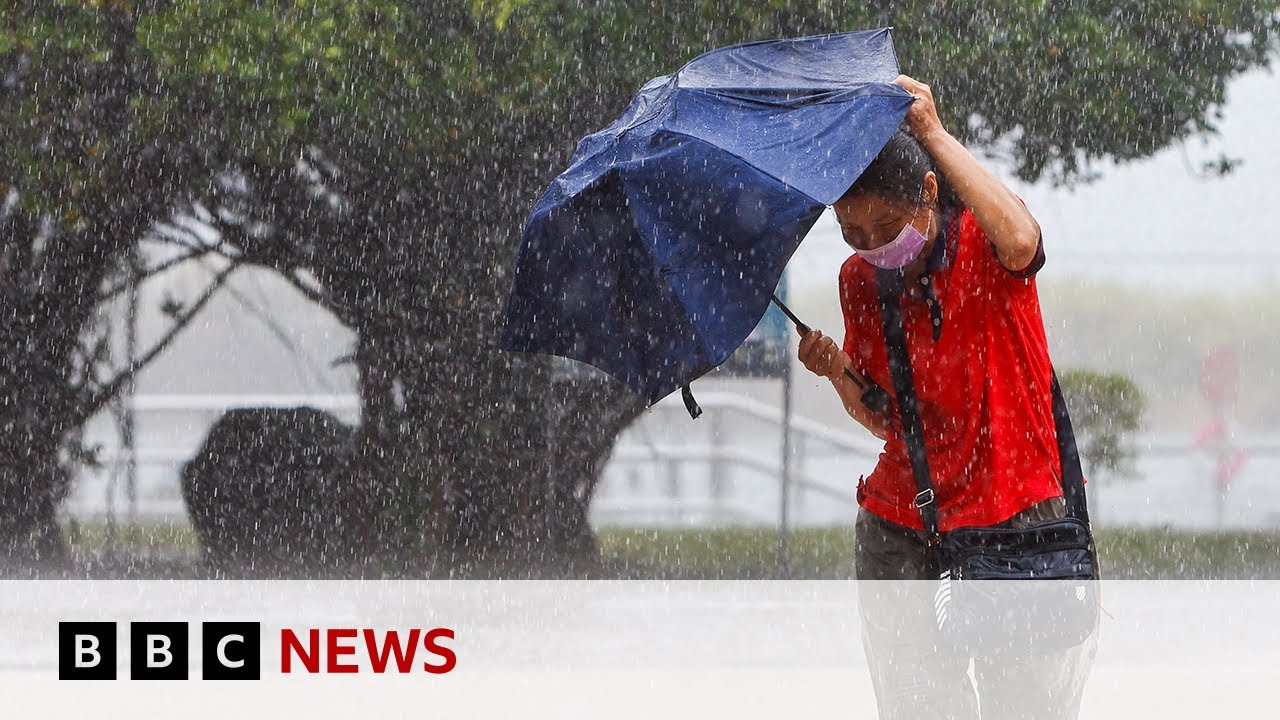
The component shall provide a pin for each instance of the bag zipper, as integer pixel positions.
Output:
(1023, 575)
(1040, 550)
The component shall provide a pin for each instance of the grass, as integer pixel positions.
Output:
(159, 536)
(742, 553)
(728, 553)
(1164, 554)
(827, 553)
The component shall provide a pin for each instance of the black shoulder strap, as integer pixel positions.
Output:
(1072, 473)
(890, 287)
(904, 387)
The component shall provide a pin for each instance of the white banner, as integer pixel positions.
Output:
(618, 649)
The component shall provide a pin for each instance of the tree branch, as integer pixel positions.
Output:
(151, 272)
(96, 401)
(185, 238)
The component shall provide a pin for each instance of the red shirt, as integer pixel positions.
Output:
(983, 385)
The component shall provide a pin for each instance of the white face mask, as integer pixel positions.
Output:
(902, 250)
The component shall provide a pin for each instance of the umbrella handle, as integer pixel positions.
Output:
(800, 327)
(874, 397)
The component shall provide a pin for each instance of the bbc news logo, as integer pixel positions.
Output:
(233, 651)
(159, 650)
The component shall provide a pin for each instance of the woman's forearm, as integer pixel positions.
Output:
(823, 357)
(851, 397)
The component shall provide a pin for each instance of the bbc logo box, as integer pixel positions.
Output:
(86, 651)
(231, 650)
(160, 651)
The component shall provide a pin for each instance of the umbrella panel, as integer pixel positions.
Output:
(659, 270)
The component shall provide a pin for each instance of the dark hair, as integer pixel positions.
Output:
(898, 171)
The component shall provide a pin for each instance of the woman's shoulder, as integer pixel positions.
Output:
(855, 268)
(856, 276)
(969, 239)
(859, 296)
(974, 243)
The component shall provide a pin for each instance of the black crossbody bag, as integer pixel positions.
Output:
(993, 618)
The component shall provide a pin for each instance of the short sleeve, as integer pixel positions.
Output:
(1019, 273)
(1037, 261)
(1032, 268)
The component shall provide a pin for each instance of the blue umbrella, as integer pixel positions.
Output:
(654, 255)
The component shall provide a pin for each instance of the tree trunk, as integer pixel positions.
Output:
(588, 415)
(514, 456)
(49, 284)
(32, 484)
(32, 479)
(482, 439)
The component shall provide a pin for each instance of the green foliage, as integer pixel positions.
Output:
(1106, 409)
(281, 75)
(827, 553)
(1062, 83)
(90, 84)
(54, 120)
(725, 553)
(1168, 554)
(1053, 84)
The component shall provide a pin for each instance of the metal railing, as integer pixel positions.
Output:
(99, 493)
(183, 421)
(734, 452)
(724, 455)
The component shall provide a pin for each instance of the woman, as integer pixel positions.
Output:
(968, 250)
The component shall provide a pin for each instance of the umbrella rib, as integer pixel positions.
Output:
(671, 291)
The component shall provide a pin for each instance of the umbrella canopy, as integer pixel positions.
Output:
(654, 255)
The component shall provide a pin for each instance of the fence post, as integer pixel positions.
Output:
(798, 490)
(718, 480)
(784, 560)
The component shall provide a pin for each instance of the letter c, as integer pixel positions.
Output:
(222, 651)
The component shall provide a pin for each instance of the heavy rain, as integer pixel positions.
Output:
(384, 290)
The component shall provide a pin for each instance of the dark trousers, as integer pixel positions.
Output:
(911, 678)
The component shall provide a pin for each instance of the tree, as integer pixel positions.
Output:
(1106, 409)
(81, 181)
(359, 193)
(1052, 86)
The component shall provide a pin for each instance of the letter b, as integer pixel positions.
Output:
(158, 650)
(87, 654)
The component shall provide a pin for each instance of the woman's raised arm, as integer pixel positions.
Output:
(1003, 217)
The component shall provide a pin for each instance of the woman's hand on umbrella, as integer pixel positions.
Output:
(821, 356)
(922, 118)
